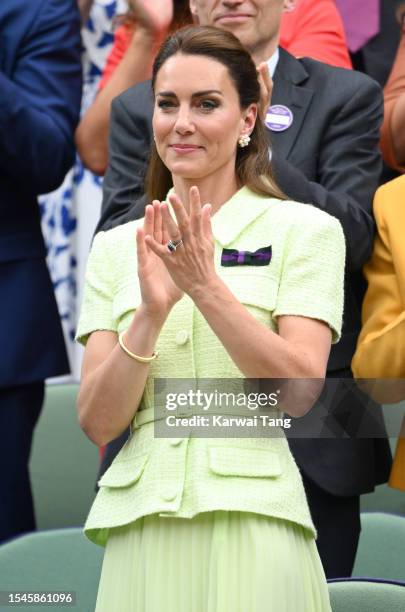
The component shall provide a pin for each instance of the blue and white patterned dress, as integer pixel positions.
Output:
(70, 213)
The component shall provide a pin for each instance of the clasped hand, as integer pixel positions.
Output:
(154, 17)
(163, 275)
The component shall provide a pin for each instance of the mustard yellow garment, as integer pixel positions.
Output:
(381, 346)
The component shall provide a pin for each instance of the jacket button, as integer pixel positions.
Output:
(169, 495)
(182, 337)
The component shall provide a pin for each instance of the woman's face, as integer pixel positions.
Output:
(197, 119)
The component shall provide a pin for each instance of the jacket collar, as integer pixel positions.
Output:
(290, 90)
(235, 214)
(230, 220)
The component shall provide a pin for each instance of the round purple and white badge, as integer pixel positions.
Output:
(279, 118)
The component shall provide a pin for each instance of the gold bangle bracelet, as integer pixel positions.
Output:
(131, 354)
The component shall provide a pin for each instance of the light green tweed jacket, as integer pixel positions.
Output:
(185, 476)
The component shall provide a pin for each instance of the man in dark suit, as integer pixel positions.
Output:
(324, 131)
(40, 91)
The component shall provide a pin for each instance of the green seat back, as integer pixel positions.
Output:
(64, 463)
(58, 560)
(384, 498)
(364, 596)
(381, 551)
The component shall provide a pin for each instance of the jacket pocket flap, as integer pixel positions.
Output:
(123, 472)
(252, 288)
(244, 462)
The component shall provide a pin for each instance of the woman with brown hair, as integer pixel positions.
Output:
(247, 286)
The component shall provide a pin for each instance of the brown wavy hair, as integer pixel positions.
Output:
(253, 167)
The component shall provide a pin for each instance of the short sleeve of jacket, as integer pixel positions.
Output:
(312, 277)
(97, 305)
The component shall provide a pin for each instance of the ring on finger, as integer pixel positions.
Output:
(173, 244)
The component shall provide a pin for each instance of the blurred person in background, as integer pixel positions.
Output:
(323, 124)
(84, 8)
(40, 90)
(70, 213)
(308, 28)
(373, 38)
(380, 352)
(393, 129)
(372, 35)
(314, 28)
(143, 28)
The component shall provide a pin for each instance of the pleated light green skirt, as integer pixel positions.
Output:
(218, 561)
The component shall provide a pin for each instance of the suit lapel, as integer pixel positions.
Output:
(289, 90)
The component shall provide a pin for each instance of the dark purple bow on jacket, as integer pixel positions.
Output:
(233, 257)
